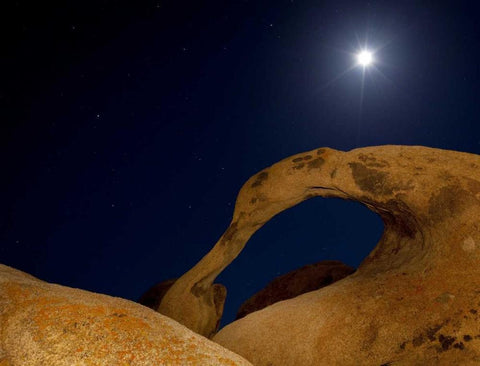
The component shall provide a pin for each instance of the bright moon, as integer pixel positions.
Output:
(364, 58)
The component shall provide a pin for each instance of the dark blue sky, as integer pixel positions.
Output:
(127, 128)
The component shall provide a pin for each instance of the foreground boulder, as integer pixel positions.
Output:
(415, 300)
(52, 325)
(305, 279)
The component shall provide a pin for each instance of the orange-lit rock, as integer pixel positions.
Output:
(415, 300)
(154, 295)
(52, 325)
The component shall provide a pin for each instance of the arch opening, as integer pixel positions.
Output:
(315, 230)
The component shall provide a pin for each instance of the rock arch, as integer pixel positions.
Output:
(414, 295)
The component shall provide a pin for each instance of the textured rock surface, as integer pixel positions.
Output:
(47, 324)
(305, 279)
(154, 295)
(415, 300)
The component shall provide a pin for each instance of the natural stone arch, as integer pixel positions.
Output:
(429, 200)
(302, 249)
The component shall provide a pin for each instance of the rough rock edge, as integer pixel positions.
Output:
(49, 324)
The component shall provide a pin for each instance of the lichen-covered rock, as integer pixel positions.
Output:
(44, 324)
(415, 300)
(299, 281)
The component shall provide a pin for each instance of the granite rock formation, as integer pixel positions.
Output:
(154, 295)
(415, 299)
(299, 281)
(44, 324)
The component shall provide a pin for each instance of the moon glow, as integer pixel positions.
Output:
(364, 58)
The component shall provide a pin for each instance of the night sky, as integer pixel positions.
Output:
(128, 127)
